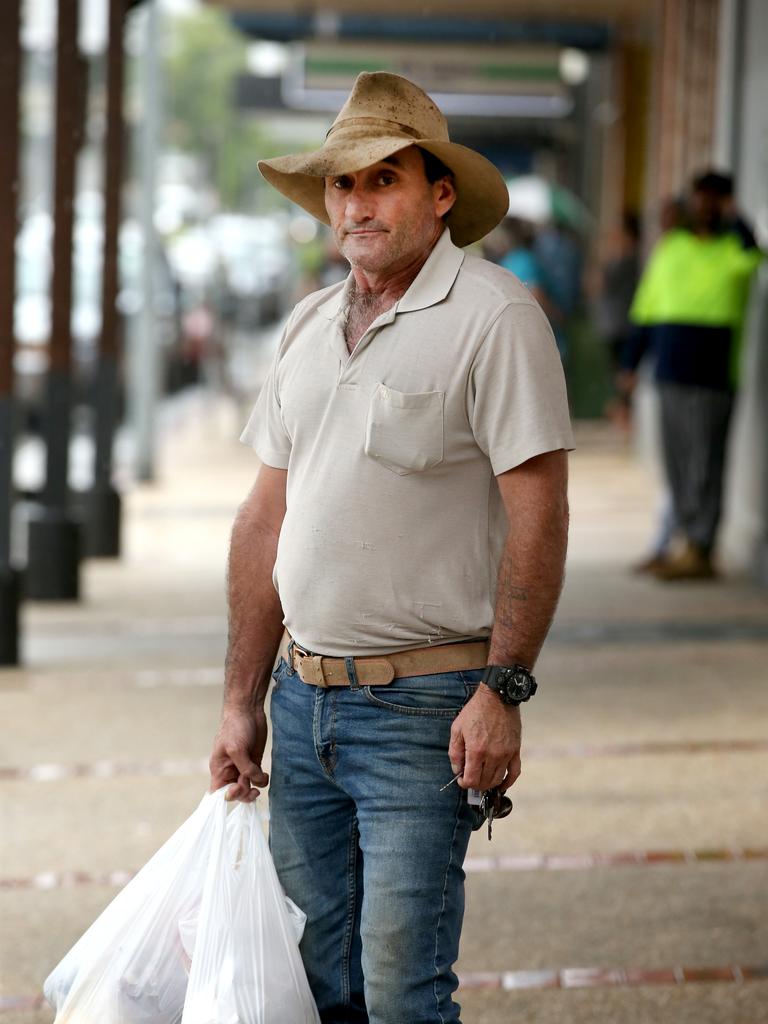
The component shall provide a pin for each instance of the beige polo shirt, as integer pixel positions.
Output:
(394, 525)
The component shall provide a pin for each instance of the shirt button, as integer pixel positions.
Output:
(383, 391)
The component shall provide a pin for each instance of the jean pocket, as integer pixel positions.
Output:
(404, 431)
(441, 695)
(279, 673)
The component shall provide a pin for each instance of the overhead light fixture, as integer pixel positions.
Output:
(267, 60)
(574, 66)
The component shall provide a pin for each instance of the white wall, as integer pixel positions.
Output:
(744, 539)
(752, 155)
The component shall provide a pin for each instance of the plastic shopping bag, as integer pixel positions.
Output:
(246, 966)
(132, 965)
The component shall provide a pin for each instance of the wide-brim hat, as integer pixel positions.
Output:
(386, 113)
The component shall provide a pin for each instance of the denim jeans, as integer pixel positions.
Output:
(368, 846)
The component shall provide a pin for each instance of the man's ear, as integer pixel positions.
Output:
(444, 192)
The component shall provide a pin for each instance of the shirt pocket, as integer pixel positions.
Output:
(404, 431)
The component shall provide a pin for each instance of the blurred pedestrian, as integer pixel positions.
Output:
(411, 413)
(618, 282)
(560, 256)
(689, 306)
(518, 255)
(673, 215)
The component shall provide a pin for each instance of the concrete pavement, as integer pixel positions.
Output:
(637, 850)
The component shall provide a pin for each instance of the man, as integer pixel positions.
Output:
(411, 413)
(689, 307)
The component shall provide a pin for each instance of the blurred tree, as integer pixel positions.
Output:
(204, 57)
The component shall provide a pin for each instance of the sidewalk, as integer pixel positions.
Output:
(627, 887)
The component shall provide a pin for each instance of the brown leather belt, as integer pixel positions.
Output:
(318, 670)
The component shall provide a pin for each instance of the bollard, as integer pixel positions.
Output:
(53, 569)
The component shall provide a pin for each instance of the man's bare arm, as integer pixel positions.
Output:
(255, 613)
(255, 627)
(535, 497)
(486, 736)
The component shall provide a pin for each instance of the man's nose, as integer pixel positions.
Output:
(359, 205)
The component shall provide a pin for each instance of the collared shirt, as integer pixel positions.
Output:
(394, 526)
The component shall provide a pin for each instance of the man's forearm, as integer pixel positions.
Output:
(530, 580)
(255, 613)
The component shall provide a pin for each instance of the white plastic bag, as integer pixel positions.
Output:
(246, 966)
(132, 965)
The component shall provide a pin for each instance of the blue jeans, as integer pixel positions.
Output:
(368, 846)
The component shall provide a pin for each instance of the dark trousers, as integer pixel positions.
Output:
(694, 431)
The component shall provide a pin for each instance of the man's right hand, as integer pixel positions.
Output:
(237, 752)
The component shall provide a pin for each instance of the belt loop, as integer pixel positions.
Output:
(317, 665)
(354, 682)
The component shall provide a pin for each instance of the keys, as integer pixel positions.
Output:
(494, 804)
(454, 779)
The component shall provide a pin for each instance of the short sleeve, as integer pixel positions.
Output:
(518, 404)
(264, 431)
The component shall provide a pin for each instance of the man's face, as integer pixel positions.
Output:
(706, 209)
(386, 215)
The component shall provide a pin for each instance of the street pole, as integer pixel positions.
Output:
(53, 569)
(10, 61)
(144, 356)
(104, 508)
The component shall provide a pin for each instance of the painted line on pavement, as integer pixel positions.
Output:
(565, 978)
(646, 747)
(106, 769)
(47, 880)
(610, 859)
(142, 679)
(102, 770)
(602, 977)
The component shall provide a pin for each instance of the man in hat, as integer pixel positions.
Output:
(400, 555)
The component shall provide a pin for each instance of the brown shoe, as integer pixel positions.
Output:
(650, 566)
(690, 564)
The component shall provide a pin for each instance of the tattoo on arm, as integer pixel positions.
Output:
(506, 596)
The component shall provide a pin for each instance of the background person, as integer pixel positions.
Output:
(559, 253)
(690, 303)
(617, 284)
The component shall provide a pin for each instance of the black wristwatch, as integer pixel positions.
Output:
(513, 683)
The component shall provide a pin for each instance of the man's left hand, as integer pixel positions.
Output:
(485, 742)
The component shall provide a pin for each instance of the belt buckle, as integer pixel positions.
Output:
(316, 660)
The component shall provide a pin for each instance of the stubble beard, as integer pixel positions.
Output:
(397, 248)
(385, 250)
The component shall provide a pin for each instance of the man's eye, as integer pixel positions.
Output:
(386, 179)
(340, 183)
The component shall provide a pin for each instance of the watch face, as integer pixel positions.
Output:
(513, 683)
(518, 685)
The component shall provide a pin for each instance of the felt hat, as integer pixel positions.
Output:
(386, 113)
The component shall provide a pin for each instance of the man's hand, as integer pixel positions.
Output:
(237, 752)
(485, 742)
